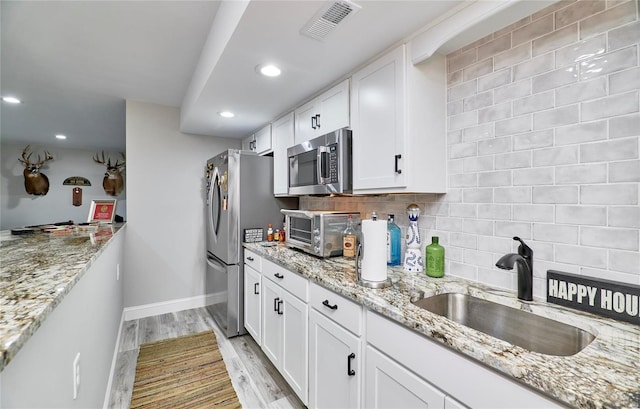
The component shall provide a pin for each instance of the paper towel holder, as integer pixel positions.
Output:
(367, 283)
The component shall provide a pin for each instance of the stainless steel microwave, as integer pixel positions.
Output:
(321, 165)
(317, 232)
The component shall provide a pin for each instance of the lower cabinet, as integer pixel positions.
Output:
(390, 385)
(334, 365)
(252, 303)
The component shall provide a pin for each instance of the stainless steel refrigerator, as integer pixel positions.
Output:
(239, 196)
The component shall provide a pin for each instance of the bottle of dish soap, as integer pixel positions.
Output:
(434, 256)
(393, 242)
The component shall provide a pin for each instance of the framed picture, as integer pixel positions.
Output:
(102, 211)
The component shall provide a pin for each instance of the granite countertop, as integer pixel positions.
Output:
(36, 272)
(603, 375)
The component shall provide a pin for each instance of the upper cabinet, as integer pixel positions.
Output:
(259, 142)
(323, 114)
(398, 122)
(282, 137)
(249, 143)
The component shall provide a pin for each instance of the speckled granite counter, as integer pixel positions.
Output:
(605, 374)
(36, 272)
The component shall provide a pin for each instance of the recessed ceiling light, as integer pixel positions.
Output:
(226, 114)
(11, 100)
(60, 136)
(269, 70)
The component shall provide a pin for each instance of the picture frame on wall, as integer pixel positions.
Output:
(102, 211)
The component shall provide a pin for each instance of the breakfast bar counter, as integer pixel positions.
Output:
(37, 271)
(605, 374)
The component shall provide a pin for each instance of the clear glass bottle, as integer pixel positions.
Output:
(393, 242)
(434, 255)
(349, 240)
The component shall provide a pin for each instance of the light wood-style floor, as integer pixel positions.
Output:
(256, 381)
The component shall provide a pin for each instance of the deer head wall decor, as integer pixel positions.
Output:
(113, 183)
(35, 183)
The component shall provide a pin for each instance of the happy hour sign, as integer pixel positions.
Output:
(603, 297)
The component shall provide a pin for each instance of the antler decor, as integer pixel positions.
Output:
(113, 182)
(35, 182)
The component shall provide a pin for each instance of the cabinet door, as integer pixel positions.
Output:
(263, 140)
(283, 138)
(305, 119)
(294, 345)
(333, 351)
(249, 144)
(390, 385)
(334, 108)
(252, 303)
(272, 322)
(378, 123)
(450, 403)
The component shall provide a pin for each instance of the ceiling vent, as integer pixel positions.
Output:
(328, 18)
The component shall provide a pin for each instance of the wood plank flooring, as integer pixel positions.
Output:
(256, 381)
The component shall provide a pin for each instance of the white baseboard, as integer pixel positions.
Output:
(149, 310)
(114, 359)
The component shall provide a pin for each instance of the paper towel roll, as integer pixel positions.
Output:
(374, 256)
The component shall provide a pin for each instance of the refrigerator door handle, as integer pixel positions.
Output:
(215, 202)
(216, 265)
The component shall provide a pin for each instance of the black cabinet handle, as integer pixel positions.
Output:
(350, 371)
(331, 307)
(398, 157)
(255, 288)
(278, 275)
(318, 120)
(250, 258)
(313, 122)
(279, 304)
(275, 304)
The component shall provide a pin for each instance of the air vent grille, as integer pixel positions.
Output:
(328, 17)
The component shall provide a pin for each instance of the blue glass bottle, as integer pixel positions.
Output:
(393, 243)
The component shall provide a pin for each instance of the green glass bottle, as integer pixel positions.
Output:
(434, 258)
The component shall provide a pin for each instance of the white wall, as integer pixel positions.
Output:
(19, 209)
(165, 258)
(86, 321)
(543, 143)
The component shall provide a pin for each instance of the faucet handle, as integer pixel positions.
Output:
(524, 250)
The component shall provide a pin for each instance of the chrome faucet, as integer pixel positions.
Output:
(524, 261)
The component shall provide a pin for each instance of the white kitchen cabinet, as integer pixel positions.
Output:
(324, 114)
(252, 303)
(390, 385)
(450, 403)
(398, 122)
(284, 325)
(263, 140)
(334, 364)
(282, 132)
(249, 143)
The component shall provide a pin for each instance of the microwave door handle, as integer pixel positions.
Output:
(322, 179)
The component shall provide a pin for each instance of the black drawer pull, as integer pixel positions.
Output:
(398, 157)
(255, 288)
(350, 371)
(250, 258)
(332, 307)
(279, 304)
(278, 275)
(275, 304)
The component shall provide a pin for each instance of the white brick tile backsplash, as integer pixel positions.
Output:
(494, 211)
(476, 133)
(531, 140)
(563, 155)
(627, 171)
(512, 56)
(463, 180)
(478, 69)
(624, 216)
(551, 8)
(542, 250)
(586, 132)
(511, 27)
(578, 11)
(462, 60)
(468, 241)
(489, 179)
(477, 226)
(533, 213)
(534, 176)
(608, 63)
(455, 107)
(462, 150)
(555, 117)
(494, 244)
(614, 194)
(533, 103)
(581, 174)
(626, 80)
(478, 164)
(512, 194)
(608, 19)
(493, 146)
(556, 233)
(555, 40)
(494, 113)
(582, 215)
(581, 50)
(555, 194)
(494, 47)
(481, 195)
(625, 261)
(607, 237)
(617, 149)
(497, 278)
(624, 36)
(554, 79)
(450, 224)
(535, 29)
(514, 125)
(478, 258)
(476, 101)
(464, 120)
(512, 91)
(622, 126)
(511, 229)
(537, 65)
(463, 210)
(581, 91)
(462, 90)
(581, 256)
(463, 270)
(494, 80)
(513, 160)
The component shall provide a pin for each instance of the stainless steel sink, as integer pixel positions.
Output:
(521, 328)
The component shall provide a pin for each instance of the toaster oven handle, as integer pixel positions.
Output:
(323, 177)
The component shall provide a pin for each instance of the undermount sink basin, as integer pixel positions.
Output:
(521, 328)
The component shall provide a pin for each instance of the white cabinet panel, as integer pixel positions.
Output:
(263, 140)
(324, 114)
(252, 303)
(450, 403)
(271, 322)
(305, 119)
(249, 143)
(390, 385)
(295, 343)
(283, 138)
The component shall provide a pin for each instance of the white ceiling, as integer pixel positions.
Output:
(74, 63)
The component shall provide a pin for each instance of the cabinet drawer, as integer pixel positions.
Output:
(253, 260)
(290, 281)
(340, 309)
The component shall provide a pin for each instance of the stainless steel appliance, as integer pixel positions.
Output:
(239, 196)
(321, 165)
(317, 232)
